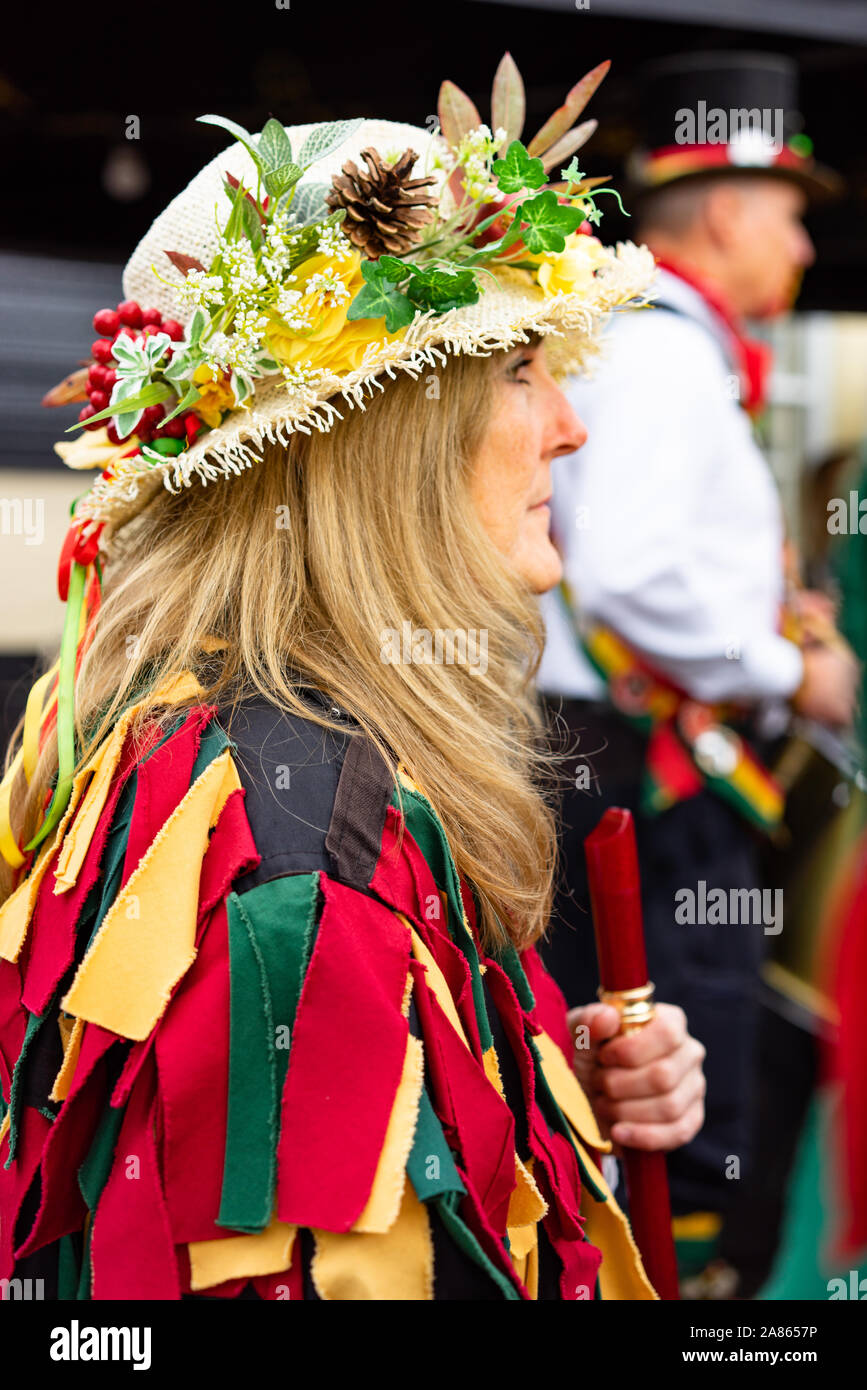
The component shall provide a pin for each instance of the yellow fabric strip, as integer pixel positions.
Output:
(492, 1070)
(18, 908)
(4, 1126)
(526, 1204)
(73, 1029)
(437, 982)
(16, 912)
(104, 762)
(383, 1205)
(621, 1274)
(568, 1094)
(146, 942)
(397, 1265)
(241, 1257)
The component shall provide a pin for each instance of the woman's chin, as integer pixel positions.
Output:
(539, 564)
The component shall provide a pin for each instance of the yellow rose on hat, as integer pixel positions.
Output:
(326, 288)
(215, 395)
(571, 271)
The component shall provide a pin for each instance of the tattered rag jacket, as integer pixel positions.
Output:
(251, 1046)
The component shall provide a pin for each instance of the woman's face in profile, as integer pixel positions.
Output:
(531, 423)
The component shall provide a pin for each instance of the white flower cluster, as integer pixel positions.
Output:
(246, 281)
(199, 290)
(474, 154)
(277, 250)
(301, 380)
(327, 287)
(334, 242)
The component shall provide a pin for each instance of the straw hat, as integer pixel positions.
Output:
(566, 287)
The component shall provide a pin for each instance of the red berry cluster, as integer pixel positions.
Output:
(130, 320)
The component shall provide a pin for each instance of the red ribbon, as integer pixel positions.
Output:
(753, 358)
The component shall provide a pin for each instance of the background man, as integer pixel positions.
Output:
(665, 641)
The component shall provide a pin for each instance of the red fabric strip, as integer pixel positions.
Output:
(551, 1006)
(405, 880)
(55, 916)
(16, 1179)
(468, 1105)
(163, 782)
(13, 1023)
(132, 1251)
(230, 853)
(345, 1062)
(194, 1085)
(62, 1208)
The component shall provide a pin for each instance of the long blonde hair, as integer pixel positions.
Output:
(301, 565)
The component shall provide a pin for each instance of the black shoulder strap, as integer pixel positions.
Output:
(354, 838)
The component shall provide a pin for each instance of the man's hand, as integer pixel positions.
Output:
(646, 1088)
(829, 691)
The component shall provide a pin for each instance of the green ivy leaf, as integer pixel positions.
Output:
(379, 299)
(394, 269)
(548, 222)
(442, 290)
(324, 139)
(274, 145)
(518, 170)
(572, 172)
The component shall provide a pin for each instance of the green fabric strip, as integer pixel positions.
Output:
(425, 828)
(68, 1272)
(92, 1177)
(34, 1023)
(466, 1241)
(271, 932)
(430, 1167)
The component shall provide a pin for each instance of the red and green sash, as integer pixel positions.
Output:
(690, 744)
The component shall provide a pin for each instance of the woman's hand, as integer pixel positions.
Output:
(646, 1088)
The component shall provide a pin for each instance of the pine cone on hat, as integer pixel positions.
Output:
(386, 207)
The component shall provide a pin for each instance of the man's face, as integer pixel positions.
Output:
(769, 246)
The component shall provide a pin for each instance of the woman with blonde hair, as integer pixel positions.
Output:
(275, 843)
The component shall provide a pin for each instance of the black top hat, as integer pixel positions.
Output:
(707, 114)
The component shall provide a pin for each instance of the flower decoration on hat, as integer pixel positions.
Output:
(309, 278)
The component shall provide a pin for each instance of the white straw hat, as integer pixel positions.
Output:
(511, 304)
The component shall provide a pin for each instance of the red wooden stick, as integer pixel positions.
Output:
(615, 897)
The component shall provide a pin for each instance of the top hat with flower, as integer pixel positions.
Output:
(297, 272)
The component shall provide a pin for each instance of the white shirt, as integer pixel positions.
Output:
(669, 517)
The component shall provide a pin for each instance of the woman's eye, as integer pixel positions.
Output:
(521, 365)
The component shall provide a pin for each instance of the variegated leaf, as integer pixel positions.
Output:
(274, 145)
(568, 144)
(326, 138)
(308, 204)
(457, 114)
(508, 102)
(565, 115)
